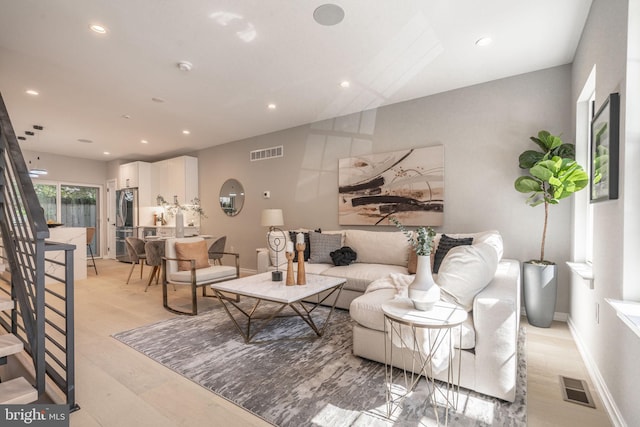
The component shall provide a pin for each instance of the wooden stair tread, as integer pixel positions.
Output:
(10, 344)
(6, 304)
(17, 391)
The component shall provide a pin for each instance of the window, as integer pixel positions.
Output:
(71, 205)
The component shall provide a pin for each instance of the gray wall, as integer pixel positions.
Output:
(611, 348)
(69, 170)
(483, 128)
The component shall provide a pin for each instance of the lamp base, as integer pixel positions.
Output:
(276, 276)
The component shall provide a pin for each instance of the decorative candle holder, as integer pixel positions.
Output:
(302, 278)
(290, 256)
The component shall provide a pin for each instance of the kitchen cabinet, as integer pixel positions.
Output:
(134, 174)
(175, 177)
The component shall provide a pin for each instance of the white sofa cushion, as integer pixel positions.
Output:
(465, 271)
(378, 247)
(278, 240)
(359, 275)
(367, 311)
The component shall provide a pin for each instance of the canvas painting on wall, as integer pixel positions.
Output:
(407, 184)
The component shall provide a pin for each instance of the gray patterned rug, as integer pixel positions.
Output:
(305, 382)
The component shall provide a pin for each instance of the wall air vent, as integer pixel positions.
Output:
(266, 153)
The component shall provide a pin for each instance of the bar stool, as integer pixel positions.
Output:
(91, 231)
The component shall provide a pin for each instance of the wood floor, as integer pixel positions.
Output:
(119, 387)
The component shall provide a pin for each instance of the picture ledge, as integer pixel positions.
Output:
(628, 312)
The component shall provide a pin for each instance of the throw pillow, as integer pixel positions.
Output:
(192, 250)
(445, 245)
(343, 256)
(465, 271)
(322, 245)
(307, 250)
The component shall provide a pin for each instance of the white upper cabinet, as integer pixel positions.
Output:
(175, 177)
(135, 174)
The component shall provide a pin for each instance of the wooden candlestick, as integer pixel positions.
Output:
(302, 278)
(290, 281)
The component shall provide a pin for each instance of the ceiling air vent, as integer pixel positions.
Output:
(266, 153)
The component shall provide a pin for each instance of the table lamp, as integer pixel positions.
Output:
(273, 219)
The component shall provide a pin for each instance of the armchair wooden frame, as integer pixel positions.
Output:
(195, 283)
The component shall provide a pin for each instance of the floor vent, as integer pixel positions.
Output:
(266, 153)
(576, 391)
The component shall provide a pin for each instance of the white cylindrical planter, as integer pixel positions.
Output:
(179, 223)
(423, 291)
(540, 290)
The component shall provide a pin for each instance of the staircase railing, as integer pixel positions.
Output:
(43, 318)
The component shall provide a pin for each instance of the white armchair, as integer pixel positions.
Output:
(187, 262)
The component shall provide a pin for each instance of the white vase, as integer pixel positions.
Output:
(423, 291)
(179, 223)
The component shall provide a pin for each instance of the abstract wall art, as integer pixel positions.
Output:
(408, 185)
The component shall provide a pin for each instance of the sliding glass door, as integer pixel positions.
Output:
(71, 205)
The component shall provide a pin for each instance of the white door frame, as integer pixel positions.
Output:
(111, 219)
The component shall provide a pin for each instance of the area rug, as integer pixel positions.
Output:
(317, 382)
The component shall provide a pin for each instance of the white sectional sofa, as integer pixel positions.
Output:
(489, 346)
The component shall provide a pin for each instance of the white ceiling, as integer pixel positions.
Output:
(245, 55)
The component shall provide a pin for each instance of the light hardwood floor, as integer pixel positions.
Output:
(119, 387)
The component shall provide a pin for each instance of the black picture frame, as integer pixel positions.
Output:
(604, 151)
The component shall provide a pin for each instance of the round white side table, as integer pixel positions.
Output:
(406, 327)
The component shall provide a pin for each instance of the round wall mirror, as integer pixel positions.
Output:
(231, 197)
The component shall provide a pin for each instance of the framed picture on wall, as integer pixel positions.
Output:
(605, 134)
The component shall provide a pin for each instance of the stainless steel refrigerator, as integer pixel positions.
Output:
(126, 220)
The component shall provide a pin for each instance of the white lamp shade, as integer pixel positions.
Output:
(272, 218)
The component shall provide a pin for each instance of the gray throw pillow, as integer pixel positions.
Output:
(322, 245)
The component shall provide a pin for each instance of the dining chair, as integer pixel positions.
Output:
(154, 251)
(216, 250)
(137, 255)
(91, 232)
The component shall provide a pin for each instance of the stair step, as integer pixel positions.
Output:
(6, 304)
(10, 344)
(17, 391)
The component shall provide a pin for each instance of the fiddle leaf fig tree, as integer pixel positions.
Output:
(553, 175)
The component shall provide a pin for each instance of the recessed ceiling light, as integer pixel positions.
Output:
(106, 153)
(96, 28)
(158, 100)
(328, 14)
(345, 84)
(271, 106)
(484, 41)
(144, 141)
(186, 132)
(185, 66)
(85, 140)
(32, 92)
(126, 116)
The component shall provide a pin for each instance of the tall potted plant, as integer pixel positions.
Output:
(552, 175)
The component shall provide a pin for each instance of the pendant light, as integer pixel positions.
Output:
(36, 170)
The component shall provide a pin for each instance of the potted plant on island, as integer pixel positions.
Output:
(422, 290)
(552, 175)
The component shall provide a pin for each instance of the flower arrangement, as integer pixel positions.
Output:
(421, 240)
(173, 208)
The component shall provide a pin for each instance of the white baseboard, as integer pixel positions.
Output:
(248, 271)
(598, 381)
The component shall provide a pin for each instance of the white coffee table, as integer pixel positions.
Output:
(401, 322)
(261, 288)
